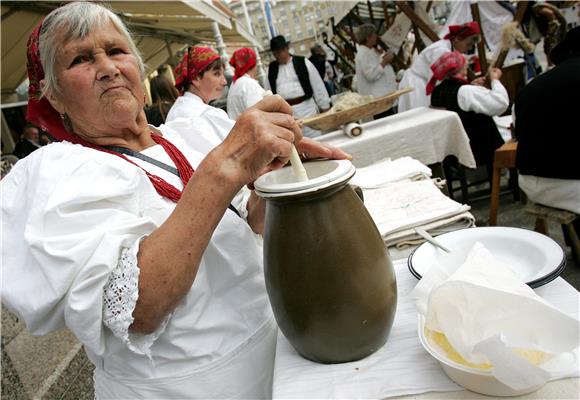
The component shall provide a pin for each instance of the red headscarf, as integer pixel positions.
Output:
(449, 64)
(41, 113)
(463, 31)
(243, 60)
(195, 61)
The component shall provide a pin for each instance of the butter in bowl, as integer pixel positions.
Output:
(491, 333)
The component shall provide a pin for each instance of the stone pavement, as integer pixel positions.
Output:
(56, 367)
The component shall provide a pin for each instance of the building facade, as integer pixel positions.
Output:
(300, 22)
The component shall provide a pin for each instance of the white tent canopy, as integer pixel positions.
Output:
(160, 28)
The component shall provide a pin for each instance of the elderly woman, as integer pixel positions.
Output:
(123, 234)
(200, 78)
(461, 38)
(374, 73)
(245, 90)
(474, 103)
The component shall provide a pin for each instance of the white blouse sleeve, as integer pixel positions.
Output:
(368, 66)
(120, 297)
(482, 100)
(320, 94)
(71, 211)
(253, 93)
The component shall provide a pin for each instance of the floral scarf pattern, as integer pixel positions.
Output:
(243, 60)
(447, 66)
(195, 61)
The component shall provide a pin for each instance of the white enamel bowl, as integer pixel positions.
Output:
(476, 380)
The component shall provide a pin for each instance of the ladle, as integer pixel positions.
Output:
(297, 167)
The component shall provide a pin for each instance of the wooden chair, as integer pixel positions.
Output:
(563, 217)
(505, 157)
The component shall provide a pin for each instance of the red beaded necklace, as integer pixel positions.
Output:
(184, 168)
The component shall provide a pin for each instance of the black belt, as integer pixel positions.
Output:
(296, 100)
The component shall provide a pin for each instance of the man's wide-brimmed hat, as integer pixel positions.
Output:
(571, 43)
(278, 43)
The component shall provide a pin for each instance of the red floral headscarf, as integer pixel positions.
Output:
(243, 60)
(449, 64)
(192, 64)
(41, 113)
(463, 31)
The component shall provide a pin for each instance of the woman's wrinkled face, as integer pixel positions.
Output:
(100, 83)
(211, 85)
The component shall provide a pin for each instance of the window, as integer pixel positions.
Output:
(302, 47)
(310, 31)
(299, 34)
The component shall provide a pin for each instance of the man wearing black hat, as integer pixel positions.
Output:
(547, 130)
(296, 79)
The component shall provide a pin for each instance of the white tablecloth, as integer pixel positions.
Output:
(426, 134)
(401, 367)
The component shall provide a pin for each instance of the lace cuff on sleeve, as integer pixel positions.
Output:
(120, 296)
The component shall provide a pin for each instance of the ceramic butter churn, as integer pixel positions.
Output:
(328, 274)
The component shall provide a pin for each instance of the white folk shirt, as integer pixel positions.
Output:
(244, 93)
(418, 75)
(288, 86)
(192, 106)
(76, 217)
(479, 99)
(371, 76)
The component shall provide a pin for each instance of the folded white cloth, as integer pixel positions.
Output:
(485, 311)
(408, 237)
(401, 206)
(387, 171)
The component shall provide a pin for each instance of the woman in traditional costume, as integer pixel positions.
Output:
(245, 90)
(125, 235)
(461, 38)
(474, 103)
(200, 79)
(374, 73)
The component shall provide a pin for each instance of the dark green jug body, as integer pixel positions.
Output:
(329, 277)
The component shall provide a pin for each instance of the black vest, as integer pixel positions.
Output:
(484, 137)
(299, 64)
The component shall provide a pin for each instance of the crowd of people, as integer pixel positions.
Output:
(137, 228)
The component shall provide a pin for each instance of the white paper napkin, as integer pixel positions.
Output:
(485, 310)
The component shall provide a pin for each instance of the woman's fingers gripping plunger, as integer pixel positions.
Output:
(262, 139)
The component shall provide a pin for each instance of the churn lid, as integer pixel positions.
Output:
(321, 174)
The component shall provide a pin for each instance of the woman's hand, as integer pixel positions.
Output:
(256, 213)
(260, 141)
(495, 73)
(479, 81)
(387, 58)
(310, 148)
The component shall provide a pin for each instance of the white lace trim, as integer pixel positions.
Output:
(120, 296)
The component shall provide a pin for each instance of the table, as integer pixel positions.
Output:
(426, 134)
(391, 372)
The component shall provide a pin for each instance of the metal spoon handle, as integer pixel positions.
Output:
(423, 233)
